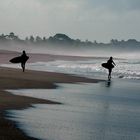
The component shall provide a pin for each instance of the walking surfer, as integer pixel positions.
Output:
(109, 65)
(21, 59)
(24, 58)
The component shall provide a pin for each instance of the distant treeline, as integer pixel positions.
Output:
(64, 40)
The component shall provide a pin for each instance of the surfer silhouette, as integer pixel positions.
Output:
(109, 65)
(24, 59)
(21, 59)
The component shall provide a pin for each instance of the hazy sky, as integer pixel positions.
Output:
(99, 20)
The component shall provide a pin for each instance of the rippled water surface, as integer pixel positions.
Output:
(102, 111)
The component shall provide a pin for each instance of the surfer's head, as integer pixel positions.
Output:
(111, 58)
(23, 51)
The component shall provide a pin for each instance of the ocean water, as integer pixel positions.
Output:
(107, 110)
(101, 111)
(125, 68)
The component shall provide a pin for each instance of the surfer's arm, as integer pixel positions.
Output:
(113, 63)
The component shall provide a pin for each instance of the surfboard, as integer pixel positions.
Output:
(19, 59)
(107, 66)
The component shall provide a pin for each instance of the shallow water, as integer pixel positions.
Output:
(102, 111)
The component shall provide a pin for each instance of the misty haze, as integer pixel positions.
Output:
(69, 70)
(61, 44)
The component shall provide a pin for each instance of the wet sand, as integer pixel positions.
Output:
(15, 79)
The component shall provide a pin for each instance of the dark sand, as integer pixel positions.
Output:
(15, 79)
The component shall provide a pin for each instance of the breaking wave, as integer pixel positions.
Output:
(127, 69)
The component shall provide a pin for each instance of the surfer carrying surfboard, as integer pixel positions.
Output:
(24, 58)
(21, 59)
(109, 65)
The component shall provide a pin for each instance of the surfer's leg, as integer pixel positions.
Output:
(23, 66)
(109, 75)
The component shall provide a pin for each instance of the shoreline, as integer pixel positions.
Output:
(11, 78)
(9, 129)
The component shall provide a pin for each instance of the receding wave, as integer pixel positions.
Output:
(129, 69)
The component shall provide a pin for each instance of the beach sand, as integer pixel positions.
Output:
(15, 79)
